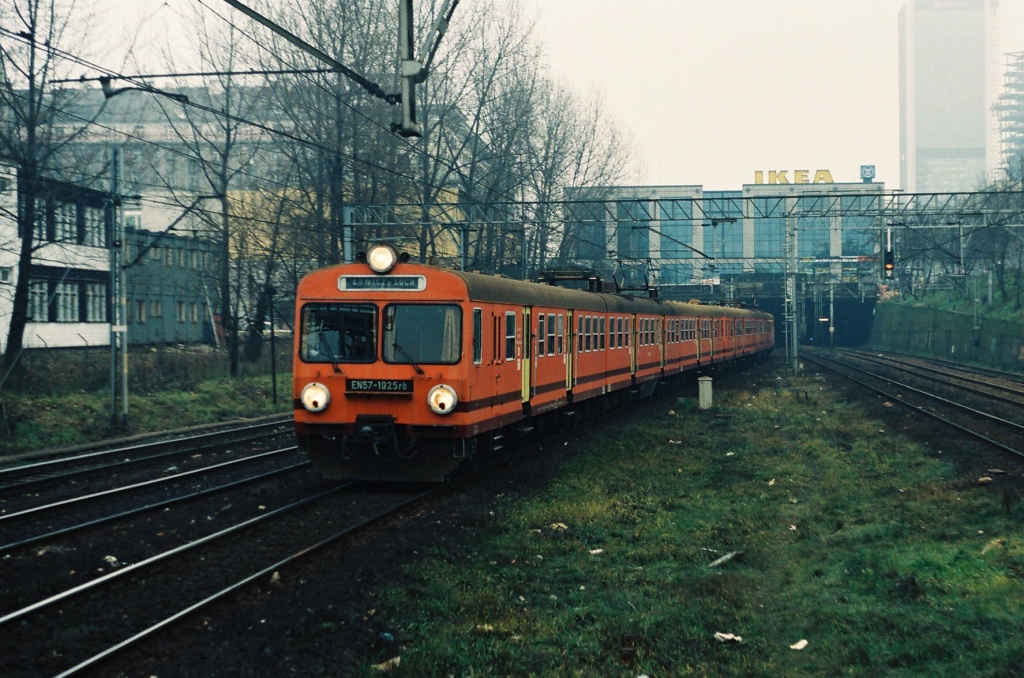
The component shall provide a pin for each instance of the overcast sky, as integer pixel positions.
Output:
(713, 90)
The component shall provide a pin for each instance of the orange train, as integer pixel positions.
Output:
(404, 371)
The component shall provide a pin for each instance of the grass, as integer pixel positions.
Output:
(36, 421)
(848, 536)
(873, 548)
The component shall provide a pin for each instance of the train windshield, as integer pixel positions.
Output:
(422, 333)
(339, 333)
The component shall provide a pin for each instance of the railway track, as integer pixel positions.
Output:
(169, 567)
(55, 467)
(134, 601)
(952, 364)
(96, 593)
(1000, 393)
(963, 412)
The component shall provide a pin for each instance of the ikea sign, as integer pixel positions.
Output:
(799, 177)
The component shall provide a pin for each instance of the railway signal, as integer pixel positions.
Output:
(888, 263)
(888, 256)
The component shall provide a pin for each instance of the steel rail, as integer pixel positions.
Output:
(45, 480)
(135, 567)
(53, 463)
(144, 483)
(270, 569)
(975, 369)
(895, 398)
(911, 367)
(41, 538)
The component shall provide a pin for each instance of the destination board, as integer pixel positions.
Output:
(398, 283)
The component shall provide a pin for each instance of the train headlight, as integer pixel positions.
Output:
(382, 258)
(442, 399)
(315, 397)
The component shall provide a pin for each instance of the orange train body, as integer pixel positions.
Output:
(407, 374)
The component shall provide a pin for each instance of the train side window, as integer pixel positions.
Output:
(587, 333)
(561, 332)
(510, 336)
(621, 339)
(540, 335)
(495, 346)
(602, 333)
(579, 335)
(478, 336)
(551, 333)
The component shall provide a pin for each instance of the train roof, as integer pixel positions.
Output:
(505, 290)
(481, 287)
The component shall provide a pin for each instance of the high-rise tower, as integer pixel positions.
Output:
(949, 60)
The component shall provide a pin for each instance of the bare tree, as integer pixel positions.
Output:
(37, 38)
(214, 130)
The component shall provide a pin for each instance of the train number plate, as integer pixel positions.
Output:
(397, 386)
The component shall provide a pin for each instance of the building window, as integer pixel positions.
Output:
(140, 312)
(194, 312)
(95, 303)
(66, 298)
(156, 308)
(39, 229)
(180, 314)
(66, 223)
(94, 227)
(38, 291)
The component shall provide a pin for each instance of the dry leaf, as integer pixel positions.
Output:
(388, 666)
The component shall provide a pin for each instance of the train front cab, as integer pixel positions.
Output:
(381, 375)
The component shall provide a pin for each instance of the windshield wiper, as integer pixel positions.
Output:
(408, 357)
(329, 353)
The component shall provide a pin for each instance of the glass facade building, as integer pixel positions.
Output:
(948, 66)
(684, 236)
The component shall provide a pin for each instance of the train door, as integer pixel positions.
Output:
(527, 355)
(662, 332)
(570, 354)
(715, 324)
(631, 333)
